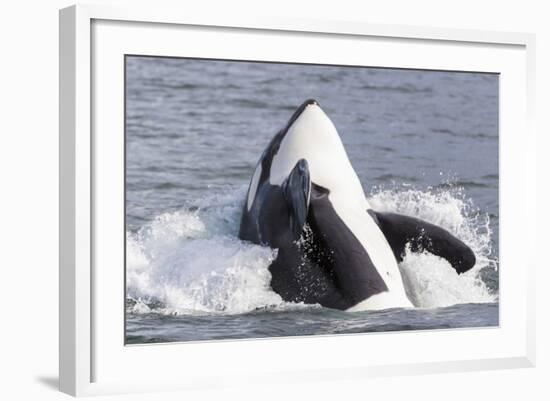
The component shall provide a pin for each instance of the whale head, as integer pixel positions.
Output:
(310, 135)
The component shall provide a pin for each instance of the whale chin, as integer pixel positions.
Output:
(383, 300)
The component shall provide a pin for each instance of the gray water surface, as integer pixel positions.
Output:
(153, 328)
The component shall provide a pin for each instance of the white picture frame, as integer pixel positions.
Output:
(93, 357)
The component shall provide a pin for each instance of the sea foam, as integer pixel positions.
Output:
(191, 262)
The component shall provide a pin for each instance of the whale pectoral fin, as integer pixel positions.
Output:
(296, 191)
(401, 230)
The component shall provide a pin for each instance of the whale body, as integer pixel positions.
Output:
(306, 200)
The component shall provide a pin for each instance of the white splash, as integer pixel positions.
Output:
(191, 261)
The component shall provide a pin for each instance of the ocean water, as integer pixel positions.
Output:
(423, 143)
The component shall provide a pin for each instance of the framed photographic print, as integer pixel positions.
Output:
(259, 190)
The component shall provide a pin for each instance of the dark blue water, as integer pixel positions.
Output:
(424, 143)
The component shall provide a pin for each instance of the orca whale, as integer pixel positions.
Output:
(306, 200)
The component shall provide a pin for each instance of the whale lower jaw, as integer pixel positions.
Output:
(384, 300)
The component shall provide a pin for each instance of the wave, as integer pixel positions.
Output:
(191, 261)
(404, 88)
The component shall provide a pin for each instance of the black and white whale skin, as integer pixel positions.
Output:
(306, 200)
